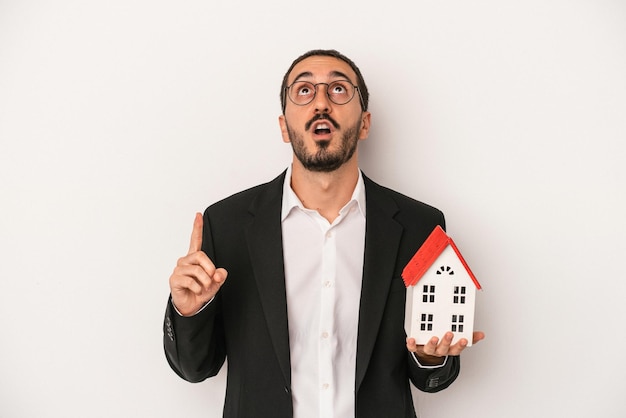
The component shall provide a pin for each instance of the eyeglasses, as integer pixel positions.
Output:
(339, 92)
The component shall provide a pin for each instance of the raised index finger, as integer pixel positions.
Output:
(196, 235)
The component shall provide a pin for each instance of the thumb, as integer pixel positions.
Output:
(220, 275)
(196, 234)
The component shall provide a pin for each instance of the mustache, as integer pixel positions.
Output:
(321, 116)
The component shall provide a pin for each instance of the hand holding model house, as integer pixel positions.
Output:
(441, 295)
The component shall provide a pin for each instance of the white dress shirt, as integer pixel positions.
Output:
(323, 274)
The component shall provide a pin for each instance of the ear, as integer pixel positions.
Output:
(366, 120)
(283, 129)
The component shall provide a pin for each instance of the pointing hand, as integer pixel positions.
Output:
(195, 280)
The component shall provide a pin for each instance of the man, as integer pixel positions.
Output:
(297, 281)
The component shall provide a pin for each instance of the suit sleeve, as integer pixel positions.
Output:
(194, 346)
(434, 380)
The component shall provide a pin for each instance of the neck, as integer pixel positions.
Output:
(326, 193)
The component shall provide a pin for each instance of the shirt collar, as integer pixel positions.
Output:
(290, 200)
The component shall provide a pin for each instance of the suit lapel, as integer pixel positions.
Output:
(382, 238)
(264, 237)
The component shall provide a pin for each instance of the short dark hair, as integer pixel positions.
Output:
(360, 82)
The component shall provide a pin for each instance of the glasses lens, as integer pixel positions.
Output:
(340, 91)
(302, 92)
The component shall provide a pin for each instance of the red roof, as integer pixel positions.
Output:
(434, 245)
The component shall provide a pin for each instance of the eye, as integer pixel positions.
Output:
(304, 89)
(338, 88)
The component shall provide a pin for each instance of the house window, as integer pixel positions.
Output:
(459, 294)
(426, 323)
(445, 270)
(457, 323)
(428, 294)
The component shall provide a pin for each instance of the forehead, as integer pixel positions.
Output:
(321, 68)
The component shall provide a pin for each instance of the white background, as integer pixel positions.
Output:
(120, 119)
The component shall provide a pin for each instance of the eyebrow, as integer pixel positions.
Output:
(333, 74)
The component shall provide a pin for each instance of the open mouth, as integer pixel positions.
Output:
(321, 125)
(322, 128)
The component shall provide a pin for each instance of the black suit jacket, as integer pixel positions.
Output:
(247, 320)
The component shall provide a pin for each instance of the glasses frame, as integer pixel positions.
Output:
(356, 89)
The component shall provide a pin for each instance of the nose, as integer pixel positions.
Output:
(321, 101)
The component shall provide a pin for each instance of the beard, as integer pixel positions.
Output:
(323, 159)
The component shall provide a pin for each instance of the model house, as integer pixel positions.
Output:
(441, 291)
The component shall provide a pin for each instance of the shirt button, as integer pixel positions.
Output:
(324, 335)
(327, 283)
(329, 235)
(325, 386)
